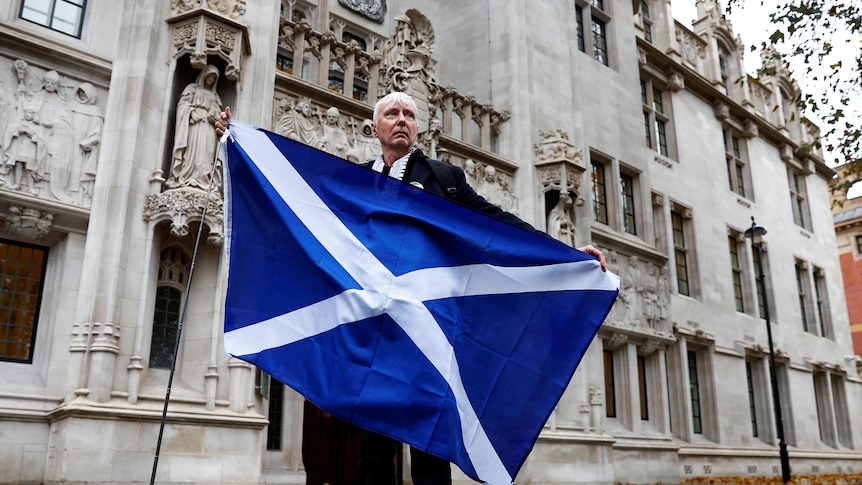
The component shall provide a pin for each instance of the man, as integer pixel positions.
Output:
(394, 124)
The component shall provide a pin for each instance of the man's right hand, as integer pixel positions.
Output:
(221, 122)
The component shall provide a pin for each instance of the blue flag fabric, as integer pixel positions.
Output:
(398, 310)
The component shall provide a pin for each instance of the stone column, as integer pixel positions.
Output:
(103, 358)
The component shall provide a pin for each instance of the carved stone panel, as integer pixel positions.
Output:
(50, 133)
(643, 304)
(372, 9)
(200, 33)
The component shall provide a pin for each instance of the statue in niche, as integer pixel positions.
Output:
(334, 139)
(560, 224)
(194, 143)
(649, 293)
(628, 295)
(372, 9)
(87, 122)
(298, 124)
(55, 118)
(25, 152)
(365, 145)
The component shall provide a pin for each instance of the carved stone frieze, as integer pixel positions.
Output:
(183, 205)
(50, 133)
(643, 304)
(28, 222)
(693, 47)
(492, 184)
(372, 9)
(233, 9)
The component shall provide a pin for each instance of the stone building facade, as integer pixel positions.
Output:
(602, 121)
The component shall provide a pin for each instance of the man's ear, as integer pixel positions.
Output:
(374, 129)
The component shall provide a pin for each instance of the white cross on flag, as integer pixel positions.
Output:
(401, 311)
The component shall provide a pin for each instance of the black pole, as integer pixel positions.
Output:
(182, 318)
(776, 397)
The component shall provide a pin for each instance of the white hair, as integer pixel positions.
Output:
(392, 99)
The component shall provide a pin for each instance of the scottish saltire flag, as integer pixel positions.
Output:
(398, 310)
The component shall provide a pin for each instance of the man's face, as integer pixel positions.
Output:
(396, 127)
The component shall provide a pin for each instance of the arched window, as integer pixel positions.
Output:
(173, 276)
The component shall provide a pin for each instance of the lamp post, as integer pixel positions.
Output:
(755, 233)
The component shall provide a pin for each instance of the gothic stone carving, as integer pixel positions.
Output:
(200, 33)
(408, 67)
(644, 298)
(183, 205)
(28, 222)
(229, 8)
(494, 185)
(560, 168)
(50, 134)
(372, 9)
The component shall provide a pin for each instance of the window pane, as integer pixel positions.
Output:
(610, 394)
(165, 326)
(22, 271)
(657, 102)
(61, 15)
(600, 45)
(802, 296)
(642, 388)
(736, 272)
(694, 391)
(36, 11)
(627, 188)
(751, 402)
(276, 411)
(600, 205)
(579, 17)
(661, 136)
(67, 18)
(647, 132)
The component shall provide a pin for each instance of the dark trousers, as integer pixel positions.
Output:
(377, 462)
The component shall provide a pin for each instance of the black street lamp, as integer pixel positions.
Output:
(755, 233)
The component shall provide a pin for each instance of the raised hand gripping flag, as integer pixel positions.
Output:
(401, 311)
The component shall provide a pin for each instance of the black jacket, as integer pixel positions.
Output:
(419, 170)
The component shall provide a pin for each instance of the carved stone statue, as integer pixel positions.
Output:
(87, 122)
(372, 9)
(334, 138)
(55, 118)
(471, 172)
(560, 224)
(194, 143)
(648, 290)
(25, 151)
(365, 145)
(298, 124)
(628, 296)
